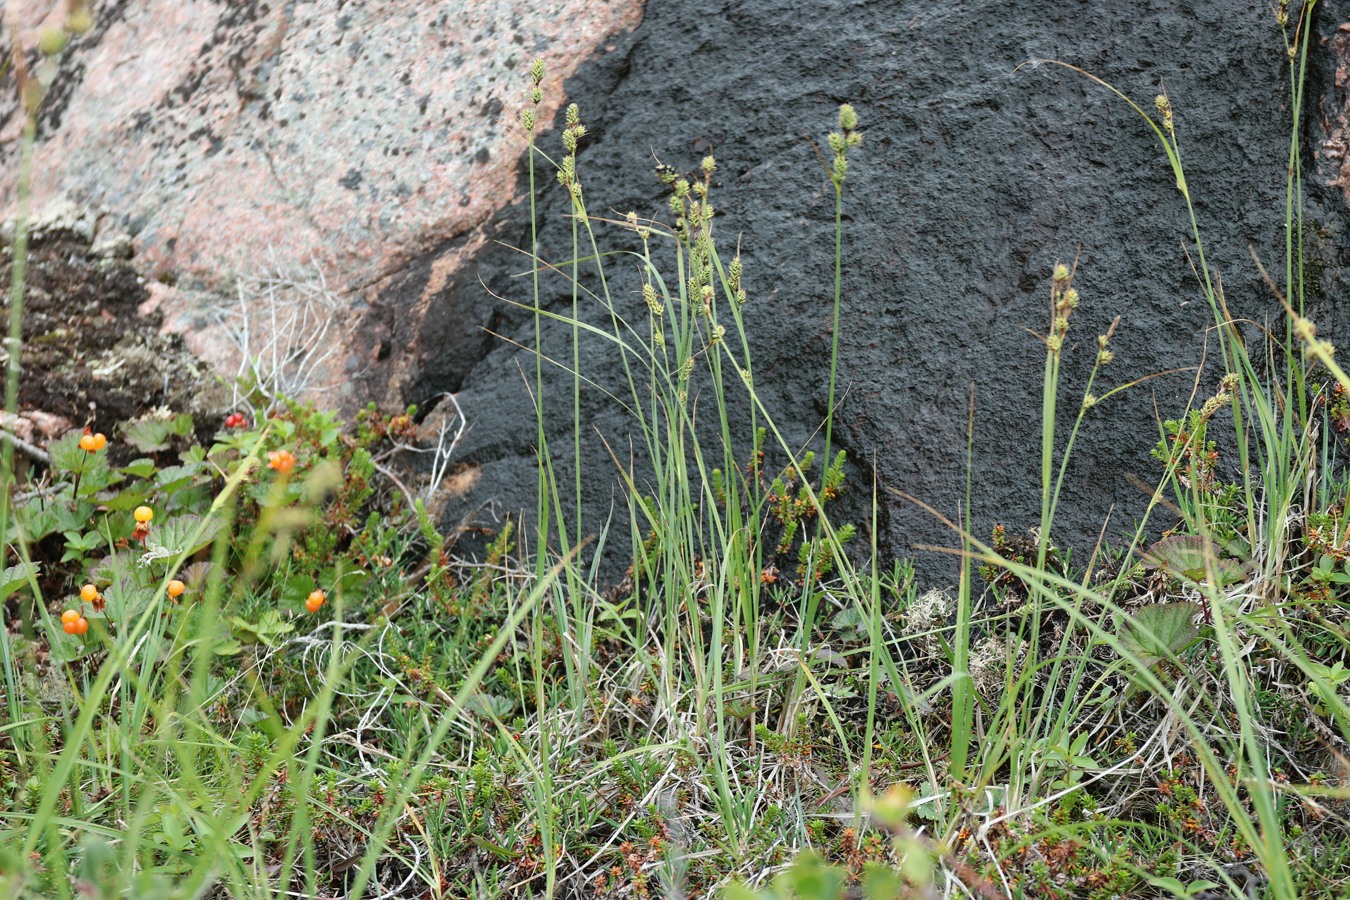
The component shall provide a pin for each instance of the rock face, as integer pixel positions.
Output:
(90, 355)
(977, 175)
(236, 138)
(375, 141)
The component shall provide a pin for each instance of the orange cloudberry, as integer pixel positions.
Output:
(281, 460)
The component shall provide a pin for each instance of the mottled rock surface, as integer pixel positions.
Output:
(235, 138)
(375, 142)
(978, 174)
(90, 357)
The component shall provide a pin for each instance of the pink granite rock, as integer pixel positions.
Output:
(232, 139)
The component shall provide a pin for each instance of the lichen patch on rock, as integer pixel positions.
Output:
(89, 356)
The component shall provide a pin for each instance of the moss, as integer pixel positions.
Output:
(89, 355)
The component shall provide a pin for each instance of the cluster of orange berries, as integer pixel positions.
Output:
(74, 623)
(71, 620)
(92, 443)
(281, 460)
(316, 599)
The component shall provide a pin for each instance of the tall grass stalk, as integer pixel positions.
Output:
(32, 96)
(697, 507)
(1274, 467)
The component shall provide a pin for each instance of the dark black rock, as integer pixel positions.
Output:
(979, 172)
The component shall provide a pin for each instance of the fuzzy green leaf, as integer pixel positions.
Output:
(14, 577)
(1157, 632)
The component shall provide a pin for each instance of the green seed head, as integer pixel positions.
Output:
(80, 19)
(1165, 110)
(573, 114)
(649, 297)
(52, 41)
(848, 119)
(537, 70)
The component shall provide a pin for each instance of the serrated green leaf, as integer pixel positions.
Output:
(148, 435)
(181, 425)
(98, 478)
(14, 577)
(1159, 631)
(68, 458)
(173, 478)
(140, 468)
(79, 545)
(120, 568)
(179, 535)
(266, 630)
(123, 500)
(1191, 558)
(35, 520)
(122, 602)
(69, 648)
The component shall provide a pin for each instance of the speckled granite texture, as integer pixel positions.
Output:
(233, 137)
